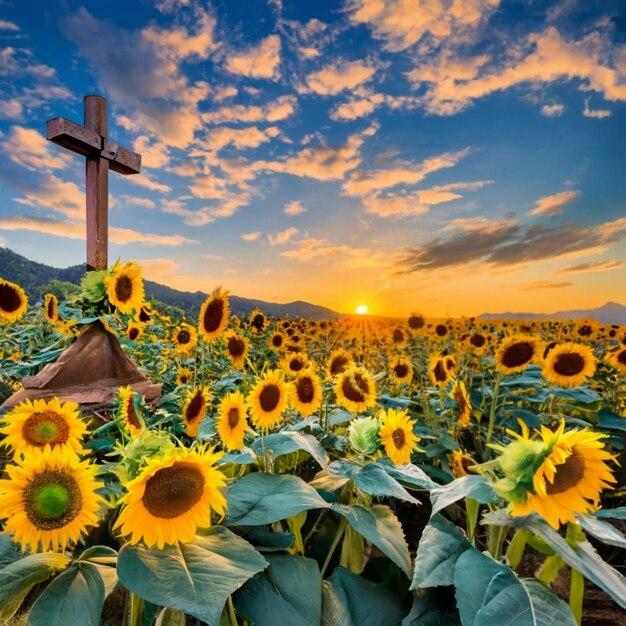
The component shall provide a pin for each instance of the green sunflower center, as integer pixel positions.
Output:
(123, 288)
(172, 491)
(269, 397)
(567, 474)
(45, 428)
(52, 499)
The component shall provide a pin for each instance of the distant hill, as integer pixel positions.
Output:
(33, 276)
(610, 313)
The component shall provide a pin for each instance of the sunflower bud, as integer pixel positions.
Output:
(363, 435)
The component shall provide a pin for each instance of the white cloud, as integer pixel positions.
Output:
(552, 110)
(6, 25)
(598, 114)
(260, 61)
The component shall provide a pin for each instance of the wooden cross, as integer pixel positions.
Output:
(91, 141)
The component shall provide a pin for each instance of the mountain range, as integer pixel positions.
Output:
(609, 313)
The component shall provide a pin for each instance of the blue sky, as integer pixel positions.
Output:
(443, 156)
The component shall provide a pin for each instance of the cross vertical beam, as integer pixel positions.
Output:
(97, 173)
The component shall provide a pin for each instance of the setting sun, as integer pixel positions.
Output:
(361, 309)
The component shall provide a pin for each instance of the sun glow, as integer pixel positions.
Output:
(361, 309)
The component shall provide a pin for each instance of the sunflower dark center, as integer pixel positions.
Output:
(305, 390)
(52, 499)
(9, 298)
(123, 288)
(233, 416)
(517, 354)
(296, 364)
(144, 315)
(398, 438)
(277, 341)
(258, 321)
(45, 428)
(440, 372)
(52, 309)
(478, 340)
(441, 330)
(416, 322)
(549, 347)
(338, 365)
(269, 397)
(183, 337)
(585, 330)
(172, 491)
(567, 474)
(400, 370)
(236, 347)
(131, 415)
(621, 357)
(398, 336)
(355, 392)
(195, 407)
(449, 364)
(213, 315)
(133, 333)
(569, 364)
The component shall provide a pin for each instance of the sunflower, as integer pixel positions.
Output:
(173, 496)
(214, 315)
(396, 434)
(477, 342)
(617, 358)
(459, 394)
(267, 400)
(306, 392)
(557, 477)
(294, 363)
(401, 370)
(232, 422)
(51, 308)
(258, 321)
(515, 353)
(184, 338)
(338, 362)
(194, 409)
(460, 462)
(134, 331)
(569, 364)
(129, 411)
(145, 314)
(236, 348)
(184, 376)
(13, 301)
(355, 389)
(124, 287)
(586, 329)
(49, 498)
(441, 331)
(416, 322)
(276, 341)
(38, 424)
(398, 338)
(438, 373)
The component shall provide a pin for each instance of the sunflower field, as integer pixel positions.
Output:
(356, 472)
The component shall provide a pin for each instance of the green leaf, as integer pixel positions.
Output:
(289, 592)
(441, 545)
(408, 475)
(266, 498)
(105, 560)
(609, 420)
(350, 600)
(381, 527)
(374, 480)
(196, 577)
(73, 598)
(287, 442)
(583, 557)
(432, 608)
(170, 617)
(489, 593)
(18, 578)
(602, 531)
(617, 513)
(467, 486)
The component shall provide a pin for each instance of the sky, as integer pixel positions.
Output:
(447, 157)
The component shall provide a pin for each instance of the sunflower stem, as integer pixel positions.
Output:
(495, 540)
(231, 612)
(471, 512)
(135, 610)
(515, 551)
(340, 531)
(576, 595)
(494, 404)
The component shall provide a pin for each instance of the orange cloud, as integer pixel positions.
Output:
(592, 266)
(553, 205)
(293, 208)
(153, 153)
(251, 236)
(271, 111)
(282, 237)
(260, 61)
(32, 150)
(339, 76)
(60, 196)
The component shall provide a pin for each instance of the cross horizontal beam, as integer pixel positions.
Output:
(90, 144)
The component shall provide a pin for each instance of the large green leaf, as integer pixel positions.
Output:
(489, 593)
(74, 598)
(289, 592)
(617, 513)
(583, 557)
(374, 480)
(433, 607)
(441, 544)
(381, 527)
(196, 577)
(408, 475)
(266, 498)
(287, 442)
(350, 600)
(18, 578)
(105, 561)
(602, 531)
(467, 486)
